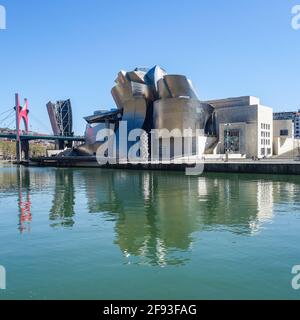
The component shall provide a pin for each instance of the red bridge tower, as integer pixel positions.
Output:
(22, 114)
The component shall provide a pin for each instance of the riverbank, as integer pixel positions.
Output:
(272, 166)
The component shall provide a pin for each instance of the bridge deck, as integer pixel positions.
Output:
(29, 137)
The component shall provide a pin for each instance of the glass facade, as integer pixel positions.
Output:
(232, 140)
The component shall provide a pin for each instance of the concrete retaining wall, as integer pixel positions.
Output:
(270, 167)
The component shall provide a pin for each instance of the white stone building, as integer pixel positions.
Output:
(244, 126)
(294, 117)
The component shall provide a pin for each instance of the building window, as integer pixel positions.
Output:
(263, 150)
(284, 132)
(269, 151)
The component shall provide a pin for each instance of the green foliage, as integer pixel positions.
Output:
(37, 150)
(8, 150)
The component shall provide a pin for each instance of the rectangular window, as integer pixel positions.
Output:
(263, 151)
(269, 151)
(284, 132)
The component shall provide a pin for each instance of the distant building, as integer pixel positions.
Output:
(243, 126)
(61, 118)
(60, 114)
(294, 116)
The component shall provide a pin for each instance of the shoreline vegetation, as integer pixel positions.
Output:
(8, 150)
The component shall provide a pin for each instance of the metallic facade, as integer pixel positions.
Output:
(150, 99)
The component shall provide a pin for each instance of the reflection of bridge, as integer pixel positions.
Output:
(22, 140)
(25, 216)
(41, 137)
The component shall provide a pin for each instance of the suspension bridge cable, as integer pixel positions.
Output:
(10, 124)
(38, 121)
(6, 111)
(7, 117)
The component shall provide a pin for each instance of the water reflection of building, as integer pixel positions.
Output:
(62, 211)
(238, 202)
(157, 214)
(265, 200)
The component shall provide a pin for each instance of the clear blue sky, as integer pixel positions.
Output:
(56, 49)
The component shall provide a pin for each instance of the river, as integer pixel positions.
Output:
(110, 234)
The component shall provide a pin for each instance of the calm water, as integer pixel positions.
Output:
(97, 234)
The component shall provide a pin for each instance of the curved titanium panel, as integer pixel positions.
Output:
(135, 112)
(136, 76)
(179, 86)
(122, 93)
(193, 90)
(154, 75)
(121, 79)
(180, 113)
(126, 92)
(163, 90)
(141, 90)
